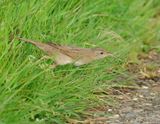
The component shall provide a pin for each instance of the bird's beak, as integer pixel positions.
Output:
(109, 54)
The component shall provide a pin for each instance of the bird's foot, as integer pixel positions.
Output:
(54, 65)
(45, 57)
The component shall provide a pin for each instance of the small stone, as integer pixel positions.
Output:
(135, 98)
(158, 71)
(109, 110)
(115, 116)
(153, 94)
(144, 87)
(141, 96)
(148, 104)
(120, 97)
(130, 115)
(126, 109)
(137, 110)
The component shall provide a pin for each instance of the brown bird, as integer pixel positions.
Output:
(68, 54)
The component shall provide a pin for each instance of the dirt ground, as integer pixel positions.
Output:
(140, 105)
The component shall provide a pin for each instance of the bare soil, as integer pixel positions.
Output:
(142, 105)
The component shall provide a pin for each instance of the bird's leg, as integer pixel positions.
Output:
(54, 65)
(45, 57)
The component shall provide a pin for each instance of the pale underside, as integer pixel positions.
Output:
(62, 59)
(66, 55)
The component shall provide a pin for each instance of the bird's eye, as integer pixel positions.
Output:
(101, 53)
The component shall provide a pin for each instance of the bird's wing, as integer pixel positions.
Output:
(71, 51)
(55, 45)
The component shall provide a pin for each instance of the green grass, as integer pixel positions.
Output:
(30, 91)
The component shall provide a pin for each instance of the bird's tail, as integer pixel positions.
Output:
(26, 40)
(43, 46)
(12, 37)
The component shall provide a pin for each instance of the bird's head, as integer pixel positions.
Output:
(100, 53)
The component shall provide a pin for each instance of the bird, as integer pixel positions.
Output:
(63, 54)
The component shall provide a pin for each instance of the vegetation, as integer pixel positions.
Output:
(30, 90)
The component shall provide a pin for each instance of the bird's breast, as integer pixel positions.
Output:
(62, 59)
(82, 61)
